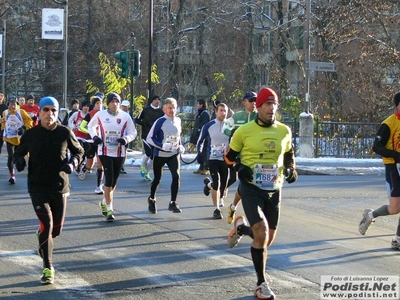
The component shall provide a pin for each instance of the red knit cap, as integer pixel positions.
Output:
(266, 95)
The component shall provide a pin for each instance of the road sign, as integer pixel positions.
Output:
(321, 66)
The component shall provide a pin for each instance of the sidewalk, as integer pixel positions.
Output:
(306, 166)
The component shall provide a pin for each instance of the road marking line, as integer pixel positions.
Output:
(31, 263)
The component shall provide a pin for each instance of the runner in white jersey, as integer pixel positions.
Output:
(112, 130)
(74, 123)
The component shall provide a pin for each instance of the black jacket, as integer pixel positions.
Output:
(147, 118)
(47, 155)
(202, 118)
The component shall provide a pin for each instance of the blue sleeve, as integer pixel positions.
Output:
(203, 135)
(156, 134)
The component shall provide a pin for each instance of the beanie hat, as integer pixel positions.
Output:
(112, 96)
(265, 95)
(30, 97)
(12, 100)
(396, 99)
(48, 101)
(250, 95)
(125, 103)
(100, 95)
(155, 97)
(95, 99)
(215, 103)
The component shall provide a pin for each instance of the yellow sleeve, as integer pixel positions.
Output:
(28, 123)
(3, 120)
(82, 127)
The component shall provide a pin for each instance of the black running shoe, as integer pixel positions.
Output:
(174, 207)
(206, 189)
(152, 205)
(217, 214)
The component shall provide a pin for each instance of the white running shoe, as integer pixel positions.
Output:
(263, 291)
(99, 190)
(234, 237)
(366, 221)
(396, 243)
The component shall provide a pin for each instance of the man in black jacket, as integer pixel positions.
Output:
(201, 119)
(146, 119)
(48, 169)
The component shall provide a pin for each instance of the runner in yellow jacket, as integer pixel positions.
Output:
(14, 122)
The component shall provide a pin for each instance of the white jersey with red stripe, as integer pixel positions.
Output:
(75, 121)
(110, 128)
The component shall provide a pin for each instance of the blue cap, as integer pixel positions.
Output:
(250, 95)
(48, 101)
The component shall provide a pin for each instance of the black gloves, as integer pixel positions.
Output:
(244, 172)
(97, 140)
(122, 141)
(396, 157)
(233, 131)
(21, 130)
(69, 167)
(20, 164)
(290, 174)
(34, 118)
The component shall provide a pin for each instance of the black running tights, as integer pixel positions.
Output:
(173, 164)
(50, 210)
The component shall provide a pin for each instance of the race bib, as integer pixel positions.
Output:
(266, 176)
(217, 151)
(111, 138)
(12, 125)
(173, 140)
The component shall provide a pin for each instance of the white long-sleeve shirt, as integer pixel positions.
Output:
(110, 128)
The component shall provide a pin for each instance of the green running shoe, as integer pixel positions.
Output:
(103, 208)
(48, 276)
(110, 216)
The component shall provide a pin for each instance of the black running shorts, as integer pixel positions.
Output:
(259, 204)
(392, 180)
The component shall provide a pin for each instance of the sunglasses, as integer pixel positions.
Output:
(46, 109)
(252, 100)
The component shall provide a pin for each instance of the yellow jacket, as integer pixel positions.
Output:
(11, 121)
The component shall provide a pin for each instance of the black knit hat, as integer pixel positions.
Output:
(112, 96)
(215, 103)
(396, 99)
(155, 97)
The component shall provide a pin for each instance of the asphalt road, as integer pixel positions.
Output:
(185, 256)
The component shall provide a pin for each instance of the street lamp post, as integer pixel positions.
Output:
(65, 58)
(150, 62)
(307, 60)
(3, 58)
(3, 51)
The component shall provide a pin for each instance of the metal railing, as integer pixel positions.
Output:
(344, 139)
(331, 139)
